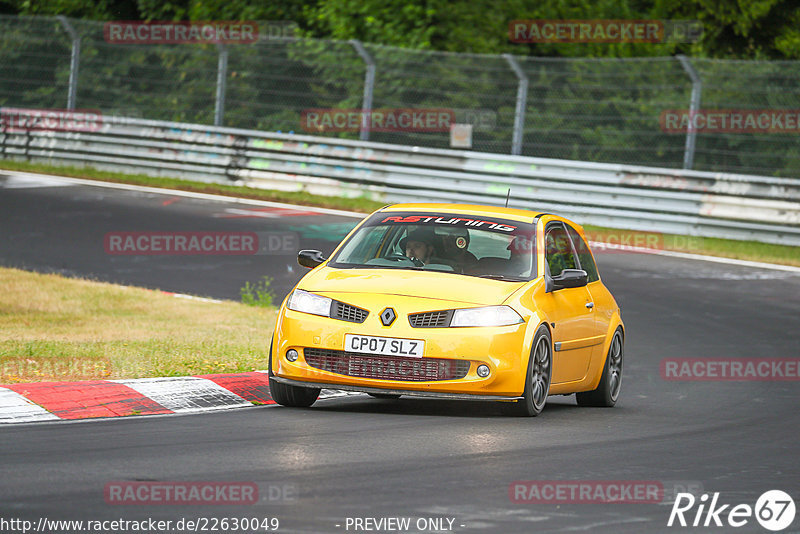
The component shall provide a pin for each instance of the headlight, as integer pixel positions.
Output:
(488, 316)
(306, 302)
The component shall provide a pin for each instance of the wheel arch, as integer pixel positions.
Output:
(597, 370)
(528, 349)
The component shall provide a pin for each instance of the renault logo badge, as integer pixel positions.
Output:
(388, 316)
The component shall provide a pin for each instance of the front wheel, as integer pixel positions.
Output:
(288, 395)
(607, 391)
(537, 379)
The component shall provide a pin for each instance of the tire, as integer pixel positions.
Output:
(386, 396)
(537, 376)
(607, 391)
(287, 395)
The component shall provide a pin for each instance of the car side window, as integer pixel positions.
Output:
(558, 249)
(584, 255)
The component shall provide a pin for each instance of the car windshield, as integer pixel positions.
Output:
(461, 244)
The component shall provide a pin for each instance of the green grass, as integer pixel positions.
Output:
(745, 250)
(56, 328)
(258, 294)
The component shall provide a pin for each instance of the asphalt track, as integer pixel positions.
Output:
(361, 457)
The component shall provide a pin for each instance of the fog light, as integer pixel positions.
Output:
(291, 355)
(483, 371)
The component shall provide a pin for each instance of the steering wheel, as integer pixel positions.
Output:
(399, 257)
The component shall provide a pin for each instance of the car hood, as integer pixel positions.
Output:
(421, 284)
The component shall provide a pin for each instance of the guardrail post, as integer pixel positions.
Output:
(3, 129)
(28, 139)
(222, 78)
(72, 91)
(369, 84)
(694, 106)
(522, 100)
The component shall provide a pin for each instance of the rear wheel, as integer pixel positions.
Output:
(288, 395)
(537, 379)
(607, 391)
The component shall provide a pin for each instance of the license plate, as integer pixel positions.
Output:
(387, 346)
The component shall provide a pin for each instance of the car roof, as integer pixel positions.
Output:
(480, 210)
(513, 214)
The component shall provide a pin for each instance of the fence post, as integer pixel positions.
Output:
(694, 106)
(369, 84)
(522, 100)
(72, 90)
(222, 78)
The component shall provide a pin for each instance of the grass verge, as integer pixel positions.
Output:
(56, 328)
(727, 248)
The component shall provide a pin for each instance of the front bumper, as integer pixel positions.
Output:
(406, 392)
(503, 349)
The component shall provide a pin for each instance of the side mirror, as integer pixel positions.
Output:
(310, 258)
(567, 278)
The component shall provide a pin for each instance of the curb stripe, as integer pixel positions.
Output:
(82, 400)
(186, 394)
(49, 401)
(15, 408)
(253, 387)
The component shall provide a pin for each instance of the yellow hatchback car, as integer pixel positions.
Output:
(452, 301)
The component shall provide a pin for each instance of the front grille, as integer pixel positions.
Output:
(434, 319)
(348, 312)
(385, 367)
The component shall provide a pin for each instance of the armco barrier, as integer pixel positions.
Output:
(619, 196)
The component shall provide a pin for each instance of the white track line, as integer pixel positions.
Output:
(190, 194)
(729, 261)
(192, 297)
(599, 245)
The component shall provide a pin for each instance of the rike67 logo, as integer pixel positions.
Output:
(774, 510)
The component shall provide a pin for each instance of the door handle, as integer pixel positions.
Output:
(590, 305)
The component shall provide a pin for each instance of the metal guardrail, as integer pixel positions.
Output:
(619, 196)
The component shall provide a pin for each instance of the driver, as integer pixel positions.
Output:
(418, 245)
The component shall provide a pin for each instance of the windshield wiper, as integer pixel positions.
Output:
(500, 277)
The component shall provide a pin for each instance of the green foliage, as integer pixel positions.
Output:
(258, 294)
(733, 29)
(762, 29)
(587, 101)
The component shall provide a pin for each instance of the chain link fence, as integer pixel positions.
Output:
(600, 110)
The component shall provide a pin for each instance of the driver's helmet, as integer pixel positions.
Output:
(454, 239)
(422, 234)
